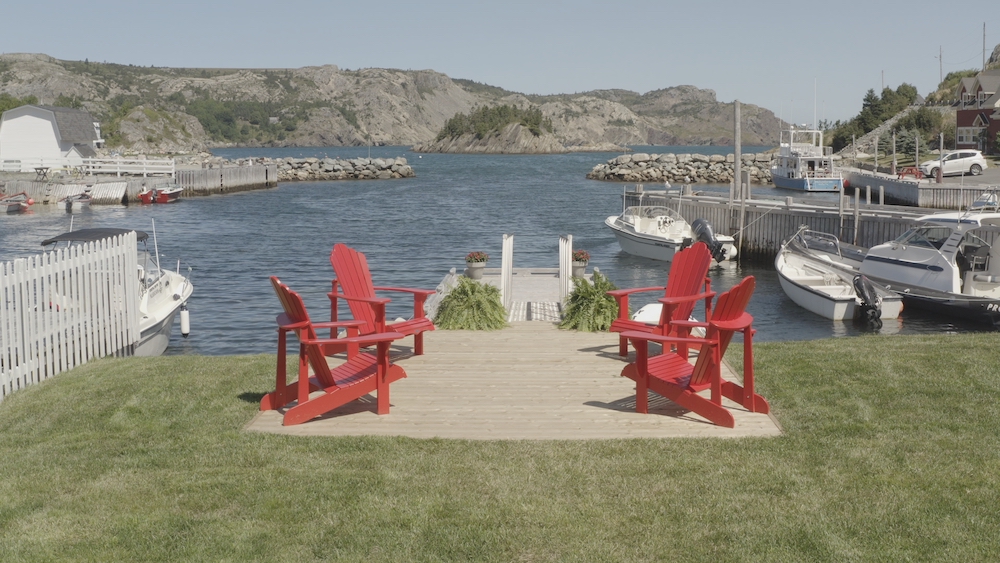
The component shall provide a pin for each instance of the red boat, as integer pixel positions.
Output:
(16, 203)
(167, 194)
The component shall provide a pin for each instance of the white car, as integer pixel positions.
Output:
(956, 162)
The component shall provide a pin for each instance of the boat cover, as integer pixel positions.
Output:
(90, 235)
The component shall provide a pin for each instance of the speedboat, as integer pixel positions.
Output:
(948, 263)
(162, 293)
(804, 163)
(76, 201)
(16, 203)
(658, 232)
(166, 194)
(815, 275)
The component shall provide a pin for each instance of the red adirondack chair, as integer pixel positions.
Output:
(359, 375)
(687, 284)
(672, 375)
(355, 281)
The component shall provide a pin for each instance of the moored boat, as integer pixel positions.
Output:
(76, 201)
(949, 262)
(164, 194)
(658, 232)
(804, 163)
(16, 203)
(163, 294)
(829, 287)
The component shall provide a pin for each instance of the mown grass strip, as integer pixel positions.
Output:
(890, 453)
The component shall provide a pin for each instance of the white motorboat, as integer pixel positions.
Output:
(804, 163)
(16, 203)
(162, 293)
(823, 282)
(658, 232)
(949, 262)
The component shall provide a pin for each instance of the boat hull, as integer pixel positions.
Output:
(657, 248)
(153, 340)
(826, 294)
(810, 185)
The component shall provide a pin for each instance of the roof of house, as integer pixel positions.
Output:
(75, 125)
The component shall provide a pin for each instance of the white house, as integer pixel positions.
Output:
(51, 136)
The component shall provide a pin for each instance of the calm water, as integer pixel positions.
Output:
(413, 232)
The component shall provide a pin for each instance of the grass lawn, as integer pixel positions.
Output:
(891, 452)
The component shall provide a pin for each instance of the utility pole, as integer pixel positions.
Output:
(940, 64)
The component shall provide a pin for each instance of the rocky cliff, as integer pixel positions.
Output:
(183, 110)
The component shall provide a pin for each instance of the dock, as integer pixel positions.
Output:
(530, 381)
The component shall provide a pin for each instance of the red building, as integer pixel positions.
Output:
(978, 113)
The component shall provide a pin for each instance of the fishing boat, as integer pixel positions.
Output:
(76, 201)
(658, 232)
(804, 163)
(162, 194)
(163, 294)
(815, 276)
(16, 203)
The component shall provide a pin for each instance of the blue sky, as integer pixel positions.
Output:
(798, 59)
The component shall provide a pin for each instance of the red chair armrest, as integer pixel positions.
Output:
(739, 323)
(620, 292)
(685, 298)
(360, 340)
(338, 324)
(372, 300)
(636, 335)
(425, 292)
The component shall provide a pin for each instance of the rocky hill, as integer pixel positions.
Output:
(169, 110)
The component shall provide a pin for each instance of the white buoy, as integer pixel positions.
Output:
(185, 321)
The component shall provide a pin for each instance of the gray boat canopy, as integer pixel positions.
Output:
(91, 235)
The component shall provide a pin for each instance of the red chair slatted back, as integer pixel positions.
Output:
(687, 275)
(730, 306)
(355, 280)
(295, 310)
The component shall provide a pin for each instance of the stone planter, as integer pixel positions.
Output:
(474, 270)
(578, 269)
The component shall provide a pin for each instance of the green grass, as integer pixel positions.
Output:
(891, 452)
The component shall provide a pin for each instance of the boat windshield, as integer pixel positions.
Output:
(930, 237)
(652, 212)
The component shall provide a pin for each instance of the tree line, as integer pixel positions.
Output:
(482, 121)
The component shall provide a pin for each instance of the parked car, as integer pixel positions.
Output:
(956, 162)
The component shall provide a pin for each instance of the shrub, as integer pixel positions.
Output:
(471, 305)
(589, 307)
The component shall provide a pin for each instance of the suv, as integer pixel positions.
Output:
(956, 162)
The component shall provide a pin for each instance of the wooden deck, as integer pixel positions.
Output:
(530, 381)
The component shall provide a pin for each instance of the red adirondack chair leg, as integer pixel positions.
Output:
(641, 383)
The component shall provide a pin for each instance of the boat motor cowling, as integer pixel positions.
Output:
(870, 310)
(703, 231)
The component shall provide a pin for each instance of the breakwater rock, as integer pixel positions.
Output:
(312, 168)
(681, 168)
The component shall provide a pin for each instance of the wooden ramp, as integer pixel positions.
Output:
(530, 381)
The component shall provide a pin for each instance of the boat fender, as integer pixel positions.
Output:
(703, 231)
(185, 321)
(985, 278)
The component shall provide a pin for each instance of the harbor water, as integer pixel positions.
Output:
(412, 231)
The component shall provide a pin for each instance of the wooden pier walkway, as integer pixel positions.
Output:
(530, 381)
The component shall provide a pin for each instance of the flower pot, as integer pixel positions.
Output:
(474, 270)
(578, 269)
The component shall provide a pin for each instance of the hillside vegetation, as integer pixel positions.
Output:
(179, 110)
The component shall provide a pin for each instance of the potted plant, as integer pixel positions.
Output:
(475, 263)
(580, 259)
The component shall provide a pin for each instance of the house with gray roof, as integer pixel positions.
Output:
(37, 135)
(978, 113)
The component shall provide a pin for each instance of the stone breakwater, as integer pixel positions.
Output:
(681, 168)
(312, 168)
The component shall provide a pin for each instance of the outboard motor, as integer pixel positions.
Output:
(870, 311)
(703, 231)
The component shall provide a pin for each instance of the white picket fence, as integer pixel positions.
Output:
(62, 308)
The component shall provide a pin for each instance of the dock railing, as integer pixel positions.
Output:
(62, 308)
